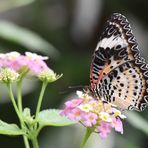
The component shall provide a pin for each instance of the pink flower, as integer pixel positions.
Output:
(15, 61)
(35, 62)
(104, 129)
(117, 124)
(70, 105)
(35, 65)
(90, 119)
(18, 63)
(73, 103)
(75, 114)
(72, 113)
(66, 111)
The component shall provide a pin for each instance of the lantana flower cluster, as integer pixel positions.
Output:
(100, 116)
(14, 60)
(14, 64)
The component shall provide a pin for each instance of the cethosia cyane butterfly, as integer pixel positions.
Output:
(118, 73)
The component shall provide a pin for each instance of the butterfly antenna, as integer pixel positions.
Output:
(74, 88)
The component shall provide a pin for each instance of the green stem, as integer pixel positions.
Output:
(35, 142)
(40, 98)
(39, 129)
(19, 95)
(86, 136)
(26, 142)
(13, 101)
(19, 102)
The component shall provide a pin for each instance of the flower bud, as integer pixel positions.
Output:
(27, 116)
(48, 75)
(8, 75)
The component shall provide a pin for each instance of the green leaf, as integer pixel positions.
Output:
(137, 121)
(52, 117)
(9, 4)
(10, 129)
(26, 38)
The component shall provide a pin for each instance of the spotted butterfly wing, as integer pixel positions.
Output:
(118, 73)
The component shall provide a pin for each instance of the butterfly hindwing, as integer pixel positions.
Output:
(126, 86)
(116, 55)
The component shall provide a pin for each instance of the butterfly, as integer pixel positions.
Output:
(118, 73)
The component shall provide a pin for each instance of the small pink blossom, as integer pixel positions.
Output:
(104, 129)
(90, 119)
(73, 114)
(36, 66)
(117, 124)
(73, 103)
(66, 111)
(76, 114)
(16, 61)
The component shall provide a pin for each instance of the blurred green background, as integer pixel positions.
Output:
(67, 31)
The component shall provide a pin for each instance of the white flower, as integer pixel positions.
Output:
(79, 93)
(83, 95)
(12, 55)
(85, 107)
(118, 113)
(2, 55)
(35, 56)
(105, 116)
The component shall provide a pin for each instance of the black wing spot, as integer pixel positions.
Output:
(115, 87)
(134, 76)
(121, 84)
(119, 94)
(118, 46)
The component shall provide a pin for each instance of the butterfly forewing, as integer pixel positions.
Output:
(117, 56)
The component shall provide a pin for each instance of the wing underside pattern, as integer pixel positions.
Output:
(116, 55)
(126, 86)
